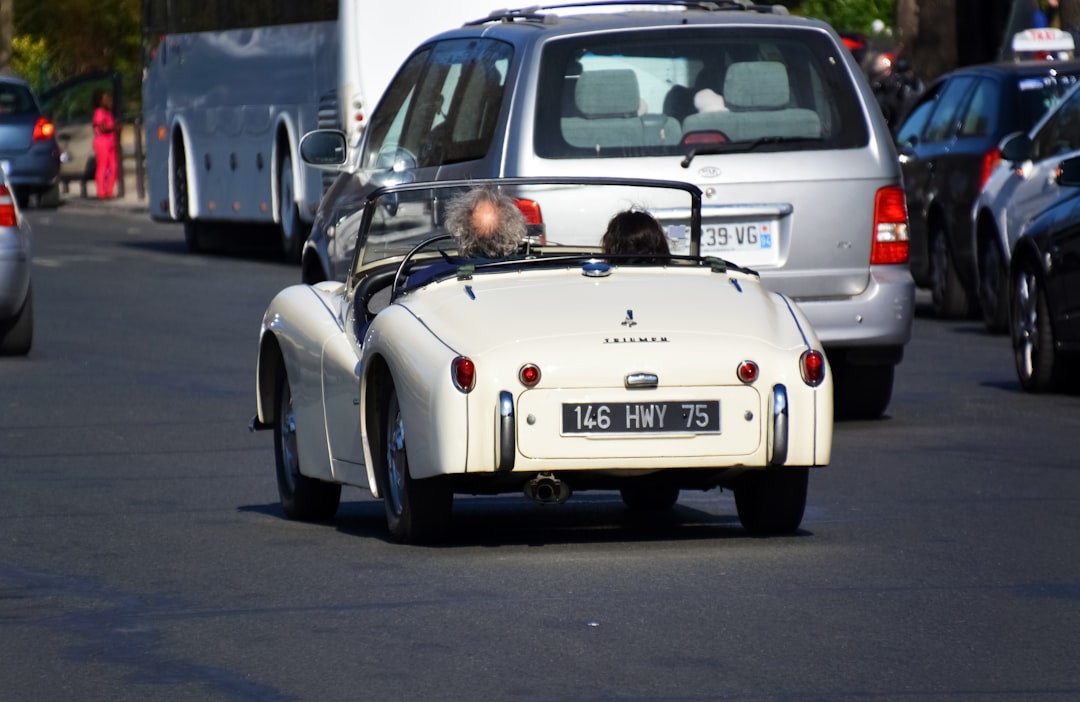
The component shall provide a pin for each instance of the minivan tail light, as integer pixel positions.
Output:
(531, 210)
(890, 227)
(990, 161)
(8, 217)
(43, 129)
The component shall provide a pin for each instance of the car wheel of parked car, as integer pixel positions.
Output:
(17, 334)
(1037, 362)
(647, 495)
(301, 497)
(948, 298)
(861, 391)
(993, 287)
(292, 228)
(771, 501)
(417, 511)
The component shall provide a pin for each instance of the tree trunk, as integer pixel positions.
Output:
(7, 33)
(1069, 14)
(928, 30)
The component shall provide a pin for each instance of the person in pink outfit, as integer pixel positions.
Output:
(104, 145)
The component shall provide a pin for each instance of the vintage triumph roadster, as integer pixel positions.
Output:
(556, 369)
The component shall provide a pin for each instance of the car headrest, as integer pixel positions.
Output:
(608, 93)
(756, 85)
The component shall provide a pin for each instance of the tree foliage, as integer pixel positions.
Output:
(59, 39)
(850, 15)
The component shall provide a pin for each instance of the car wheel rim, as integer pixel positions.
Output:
(1025, 334)
(288, 444)
(395, 462)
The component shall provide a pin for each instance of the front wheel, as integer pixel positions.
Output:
(772, 501)
(417, 511)
(1037, 364)
(301, 497)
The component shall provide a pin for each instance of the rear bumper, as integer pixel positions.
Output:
(880, 316)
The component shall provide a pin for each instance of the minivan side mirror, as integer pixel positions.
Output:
(1068, 173)
(324, 148)
(1016, 148)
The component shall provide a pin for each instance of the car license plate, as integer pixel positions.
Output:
(739, 240)
(641, 417)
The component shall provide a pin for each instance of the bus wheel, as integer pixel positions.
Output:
(293, 234)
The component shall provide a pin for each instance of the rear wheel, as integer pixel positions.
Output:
(1037, 363)
(17, 334)
(772, 501)
(948, 297)
(417, 511)
(993, 287)
(302, 497)
(293, 233)
(861, 392)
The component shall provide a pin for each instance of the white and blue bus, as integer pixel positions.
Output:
(230, 86)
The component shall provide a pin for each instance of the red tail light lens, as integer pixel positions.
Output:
(8, 217)
(890, 227)
(989, 162)
(43, 129)
(531, 210)
(463, 373)
(529, 375)
(747, 371)
(705, 136)
(812, 366)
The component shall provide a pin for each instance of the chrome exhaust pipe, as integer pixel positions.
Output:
(546, 489)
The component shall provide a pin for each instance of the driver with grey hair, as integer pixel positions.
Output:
(486, 223)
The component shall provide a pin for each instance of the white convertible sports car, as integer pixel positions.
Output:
(556, 369)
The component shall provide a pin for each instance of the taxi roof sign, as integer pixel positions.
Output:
(1043, 41)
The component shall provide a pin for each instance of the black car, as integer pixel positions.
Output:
(948, 145)
(1044, 291)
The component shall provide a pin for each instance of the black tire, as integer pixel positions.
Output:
(645, 495)
(861, 392)
(772, 501)
(194, 235)
(417, 511)
(1038, 364)
(293, 232)
(50, 197)
(948, 298)
(301, 497)
(993, 287)
(17, 334)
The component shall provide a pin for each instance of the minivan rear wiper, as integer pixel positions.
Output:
(740, 147)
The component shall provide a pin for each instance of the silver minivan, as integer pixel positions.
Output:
(768, 114)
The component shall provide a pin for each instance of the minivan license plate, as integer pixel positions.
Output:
(701, 417)
(738, 237)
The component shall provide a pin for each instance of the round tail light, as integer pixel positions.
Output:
(812, 365)
(529, 375)
(748, 371)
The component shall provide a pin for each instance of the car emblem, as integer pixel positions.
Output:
(709, 172)
(629, 321)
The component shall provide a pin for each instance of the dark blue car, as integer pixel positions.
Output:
(29, 153)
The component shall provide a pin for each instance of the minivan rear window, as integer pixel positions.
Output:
(663, 91)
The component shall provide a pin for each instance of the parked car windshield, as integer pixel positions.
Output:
(655, 92)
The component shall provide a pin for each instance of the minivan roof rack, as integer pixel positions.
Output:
(533, 12)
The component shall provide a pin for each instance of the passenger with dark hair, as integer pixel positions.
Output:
(635, 232)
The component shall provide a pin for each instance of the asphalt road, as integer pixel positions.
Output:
(143, 554)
